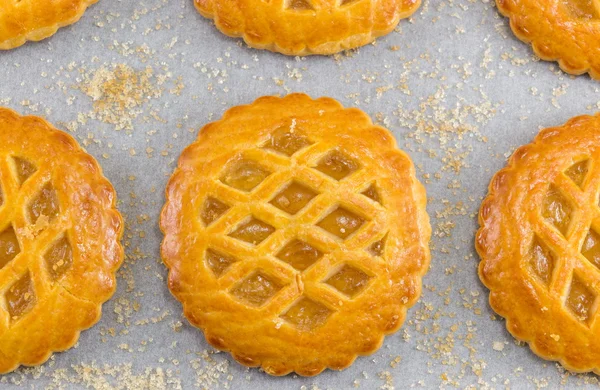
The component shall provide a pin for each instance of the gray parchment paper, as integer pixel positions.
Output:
(134, 80)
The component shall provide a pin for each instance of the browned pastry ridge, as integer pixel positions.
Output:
(296, 234)
(303, 27)
(539, 244)
(567, 31)
(59, 240)
(34, 20)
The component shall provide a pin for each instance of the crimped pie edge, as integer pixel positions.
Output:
(415, 278)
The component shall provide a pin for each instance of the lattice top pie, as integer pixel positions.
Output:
(303, 27)
(540, 244)
(295, 234)
(564, 30)
(34, 20)
(59, 240)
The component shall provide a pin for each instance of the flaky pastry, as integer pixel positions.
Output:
(303, 27)
(34, 20)
(59, 240)
(296, 234)
(539, 244)
(567, 31)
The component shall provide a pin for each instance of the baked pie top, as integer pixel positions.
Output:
(302, 27)
(295, 234)
(564, 30)
(539, 244)
(34, 20)
(59, 240)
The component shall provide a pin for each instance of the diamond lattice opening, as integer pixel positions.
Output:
(349, 280)
(59, 258)
(556, 210)
(299, 5)
(337, 165)
(218, 262)
(293, 198)
(253, 231)
(9, 246)
(541, 261)
(45, 203)
(591, 248)
(24, 169)
(580, 300)
(378, 247)
(372, 193)
(578, 172)
(307, 314)
(245, 175)
(341, 222)
(257, 289)
(212, 210)
(299, 254)
(20, 297)
(287, 142)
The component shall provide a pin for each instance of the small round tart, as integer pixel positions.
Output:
(296, 234)
(304, 27)
(539, 244)
(567, 31)
(59, 240)
(34, 20)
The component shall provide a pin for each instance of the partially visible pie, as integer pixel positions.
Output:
(539, 244)
(567, 31)
(59, 240)
(296, 234)
(34, 20)
(303, 27)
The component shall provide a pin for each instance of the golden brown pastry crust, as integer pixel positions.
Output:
(313, 27)
(566, 31)
(537, 244)
(60, 208)
(33, 20)
(356, 291)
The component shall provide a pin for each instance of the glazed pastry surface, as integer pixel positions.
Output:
(303, 27)
(539, 244)
(59, 240)
(296, 234)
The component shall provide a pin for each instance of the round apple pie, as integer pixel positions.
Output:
(34, 20)
(567, 31)
(296, 234)
(303, 27)
(59, 240)
(539, 244)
